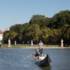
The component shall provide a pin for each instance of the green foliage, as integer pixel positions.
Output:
(49, 30)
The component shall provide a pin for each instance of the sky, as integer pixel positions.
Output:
(20, 11)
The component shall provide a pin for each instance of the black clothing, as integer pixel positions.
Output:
(41, 51)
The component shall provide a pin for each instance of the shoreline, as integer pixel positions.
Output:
(47, 47)
(35, 46)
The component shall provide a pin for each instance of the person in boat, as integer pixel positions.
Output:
(39, 51)
(36, 52)
(36, 55)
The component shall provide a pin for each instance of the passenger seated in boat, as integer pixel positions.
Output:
(36, 52)
(40, 51)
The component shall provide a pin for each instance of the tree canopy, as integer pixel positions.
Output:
(49, 30)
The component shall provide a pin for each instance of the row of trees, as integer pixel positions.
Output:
(49, 30)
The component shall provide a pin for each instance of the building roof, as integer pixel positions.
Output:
(1, 32)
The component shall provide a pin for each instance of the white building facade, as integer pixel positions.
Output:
(1, 35)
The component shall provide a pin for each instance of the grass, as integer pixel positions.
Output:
(29, 46)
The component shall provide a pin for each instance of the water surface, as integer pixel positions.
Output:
(21, 59)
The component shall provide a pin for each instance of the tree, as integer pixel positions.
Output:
(61, 19)
(32, 32)
(49, 30)
(38, 19)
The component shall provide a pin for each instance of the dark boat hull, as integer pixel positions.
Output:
(44, 62)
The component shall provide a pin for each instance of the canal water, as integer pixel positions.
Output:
(21, 59)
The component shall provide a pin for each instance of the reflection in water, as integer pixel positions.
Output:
(46, 68)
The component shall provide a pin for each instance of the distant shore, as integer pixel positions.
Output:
(48, 47)
(34, 46)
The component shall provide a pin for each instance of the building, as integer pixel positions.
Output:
(1, 35)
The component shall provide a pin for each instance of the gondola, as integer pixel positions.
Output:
(43, 60)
